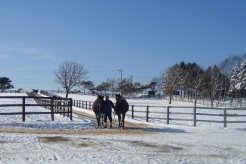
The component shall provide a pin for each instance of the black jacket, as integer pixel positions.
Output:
(107, 106)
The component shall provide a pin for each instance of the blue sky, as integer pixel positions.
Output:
(141, 37)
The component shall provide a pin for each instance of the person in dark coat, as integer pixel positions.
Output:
(107, 111)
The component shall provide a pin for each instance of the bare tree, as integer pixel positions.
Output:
(214, 80)
(104, 86)
(70, 74)
(170, 82)
(198, 82)
(87, 85)
(194, 80)
(113, 85)
(126, 87)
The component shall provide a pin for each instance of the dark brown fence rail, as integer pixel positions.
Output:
(55, 105)
(191, 114)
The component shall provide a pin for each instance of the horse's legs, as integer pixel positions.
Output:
(101, 118)
(123, 120)
(119, 119)
(98, 120)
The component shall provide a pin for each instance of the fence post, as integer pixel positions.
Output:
(225, 120)
(64, 108)
(168, 114)
(86, 105)
(194, 115)
(147, 113)
(55, 106)
(60, 108)
(132, 111)
(23, 109)
(52, 108)
(71, 109)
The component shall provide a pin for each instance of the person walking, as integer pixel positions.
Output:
(107, 111)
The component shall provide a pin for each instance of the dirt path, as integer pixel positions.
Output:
(128, 125)
(130, 128)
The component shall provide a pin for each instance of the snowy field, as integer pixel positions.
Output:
(158, 110)
(39, 140)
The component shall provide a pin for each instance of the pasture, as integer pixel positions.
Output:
(41, 140)
(158, 111)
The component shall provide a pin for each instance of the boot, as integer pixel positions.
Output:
(111, 125)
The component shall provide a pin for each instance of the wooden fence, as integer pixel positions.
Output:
(223, 102)
(192, 114)
(55, 105)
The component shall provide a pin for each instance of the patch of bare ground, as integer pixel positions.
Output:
(53, 139)
(154, 147)
(95, 131)
(130, 128)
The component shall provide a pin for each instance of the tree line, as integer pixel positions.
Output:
(70, 74)
(125, 86)
(190, 80)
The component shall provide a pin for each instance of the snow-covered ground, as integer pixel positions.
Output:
(39, 140)
(158, 109)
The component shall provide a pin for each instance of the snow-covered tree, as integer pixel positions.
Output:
(238, 77)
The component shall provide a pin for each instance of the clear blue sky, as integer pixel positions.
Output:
(141, 37)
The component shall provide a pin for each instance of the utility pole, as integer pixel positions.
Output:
(132, 79)
(120, 70)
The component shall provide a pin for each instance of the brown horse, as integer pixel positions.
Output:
(97, 108)
(121, 107)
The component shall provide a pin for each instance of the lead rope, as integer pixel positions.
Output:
(114, 119)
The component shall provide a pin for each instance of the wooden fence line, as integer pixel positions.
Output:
(170, 112)
(54, 104)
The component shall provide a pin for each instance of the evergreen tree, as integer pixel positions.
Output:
(238, 78)
(5, 83)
